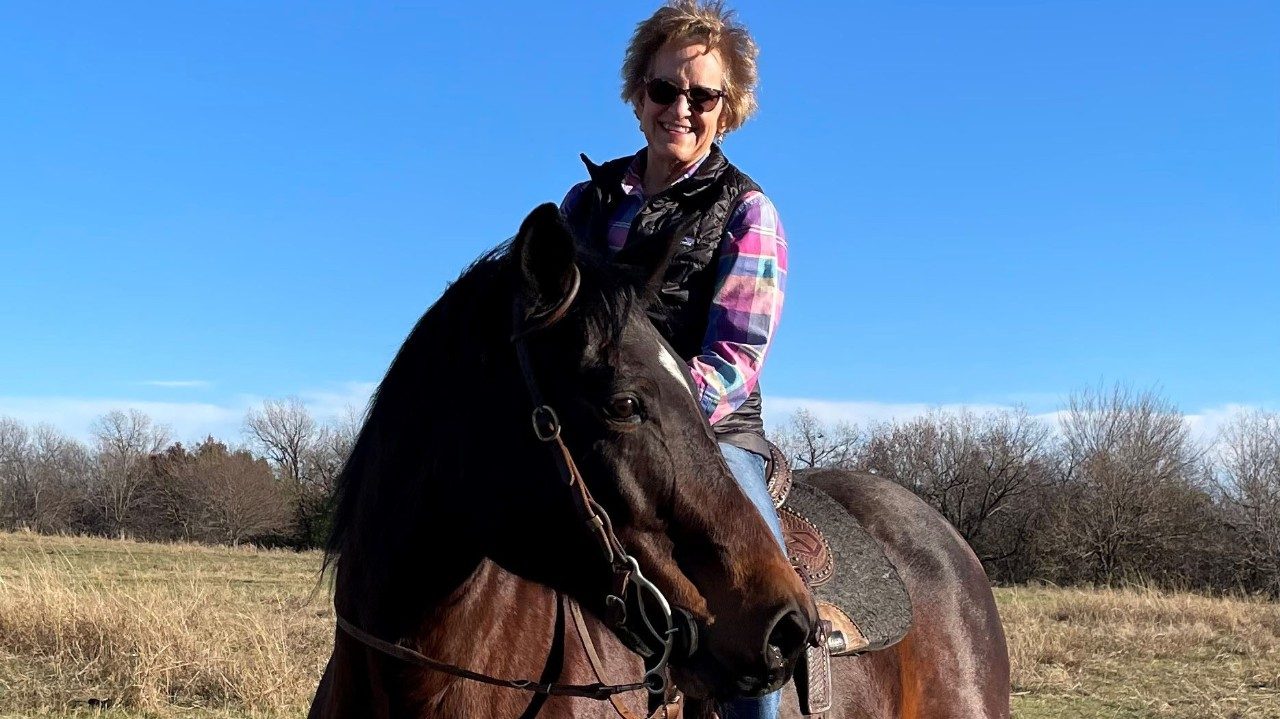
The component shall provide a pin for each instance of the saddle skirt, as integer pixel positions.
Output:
(855, 585)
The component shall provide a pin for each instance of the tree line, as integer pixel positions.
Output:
(1114, 488)
(131, 479)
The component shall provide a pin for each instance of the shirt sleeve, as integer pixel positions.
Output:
(745, 308)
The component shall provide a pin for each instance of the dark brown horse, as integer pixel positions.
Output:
(457, 530)
(457, 527)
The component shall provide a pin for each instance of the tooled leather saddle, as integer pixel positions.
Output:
(861, 600)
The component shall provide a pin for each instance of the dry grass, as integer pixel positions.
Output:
(176, 630)
(1141, 653)
(192, 632)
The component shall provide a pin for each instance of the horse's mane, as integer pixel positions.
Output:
(423, 419)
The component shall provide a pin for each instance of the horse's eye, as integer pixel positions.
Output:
(624, 408)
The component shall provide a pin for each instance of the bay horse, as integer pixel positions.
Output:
(535, 444)
(460, 536)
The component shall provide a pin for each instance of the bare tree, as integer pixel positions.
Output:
(232, 494)
(307, 457)
(61, 465)
(41, 475)
(1248, 462)
(286, 434)
(15, 471)
(807, 442)
(1133, 486)
(125, 442)
(330, 451)
(973, 469)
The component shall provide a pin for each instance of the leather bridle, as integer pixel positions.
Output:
(624, 567)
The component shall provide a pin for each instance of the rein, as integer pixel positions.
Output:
(625, 568)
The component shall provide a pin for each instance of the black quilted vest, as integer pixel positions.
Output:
(688, 221)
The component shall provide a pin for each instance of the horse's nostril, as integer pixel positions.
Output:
(787, 638)
(773, 659)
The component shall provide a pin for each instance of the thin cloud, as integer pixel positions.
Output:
(336, 402)
(191, 421)
(187, 421)
(75, 415)
(1203, 424)
(178, 383)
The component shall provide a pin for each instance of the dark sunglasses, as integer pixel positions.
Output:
(701, 99)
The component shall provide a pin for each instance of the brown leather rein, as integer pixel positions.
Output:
(625, 568)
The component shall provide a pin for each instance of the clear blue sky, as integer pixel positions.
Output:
(987, 203)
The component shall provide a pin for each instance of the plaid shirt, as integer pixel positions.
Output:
(747, 303)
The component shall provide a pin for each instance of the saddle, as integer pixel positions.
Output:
(862, 603)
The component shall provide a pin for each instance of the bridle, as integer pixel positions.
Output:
(625, 569)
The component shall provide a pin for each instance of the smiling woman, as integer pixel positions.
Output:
(690, 74)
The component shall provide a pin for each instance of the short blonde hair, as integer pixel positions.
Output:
(708, 22)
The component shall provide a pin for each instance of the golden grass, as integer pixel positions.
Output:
(1141, 653)
(194, 632)
(176, 630)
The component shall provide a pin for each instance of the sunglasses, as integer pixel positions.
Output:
(701, 99)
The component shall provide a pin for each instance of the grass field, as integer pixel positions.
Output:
(123, 630)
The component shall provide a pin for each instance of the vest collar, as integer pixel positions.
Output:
(611, 175)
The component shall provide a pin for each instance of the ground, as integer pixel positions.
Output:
(124, 630)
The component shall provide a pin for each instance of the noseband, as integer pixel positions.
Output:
(624, 567)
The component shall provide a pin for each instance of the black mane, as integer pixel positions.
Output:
(423, 419)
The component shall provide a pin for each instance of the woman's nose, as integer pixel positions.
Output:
(681, 106)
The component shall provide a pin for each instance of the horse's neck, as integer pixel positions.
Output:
(503, 626)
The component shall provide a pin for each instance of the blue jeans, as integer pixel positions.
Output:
(748, 468)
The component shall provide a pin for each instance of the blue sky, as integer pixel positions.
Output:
(204, 205)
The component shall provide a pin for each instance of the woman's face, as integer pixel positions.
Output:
(677, 133)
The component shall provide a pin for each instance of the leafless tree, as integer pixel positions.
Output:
(329, 452)
(307, 456)
(1248, 463)
(974, 469)
(1133, 486)
(235, 494)
(242, 498)
(124, 442)
(41, 476)
(15, 471)
(808, 442)
(61, 466)
(286, 434)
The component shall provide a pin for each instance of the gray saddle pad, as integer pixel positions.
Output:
(846, 566)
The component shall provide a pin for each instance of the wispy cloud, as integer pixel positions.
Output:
(195, 420)
(188, 420)
(337, 401)
(1203, 424)
(178, 383)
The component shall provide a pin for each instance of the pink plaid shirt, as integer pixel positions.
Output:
(747, 303)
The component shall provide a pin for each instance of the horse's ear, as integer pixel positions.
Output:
(544, 252)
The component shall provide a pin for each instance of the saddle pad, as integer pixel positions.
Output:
(847, 570)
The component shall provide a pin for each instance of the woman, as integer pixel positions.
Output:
(690, 74)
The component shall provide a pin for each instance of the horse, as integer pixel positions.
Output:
(535, 452)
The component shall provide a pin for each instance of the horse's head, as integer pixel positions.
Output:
(632, 425)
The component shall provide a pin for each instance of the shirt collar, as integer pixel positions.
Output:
(633, 180)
